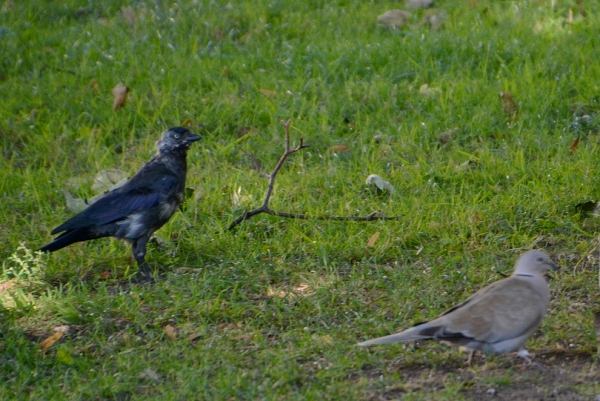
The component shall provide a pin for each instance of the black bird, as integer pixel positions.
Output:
(136, 210)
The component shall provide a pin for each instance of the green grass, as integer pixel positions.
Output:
(343, 80)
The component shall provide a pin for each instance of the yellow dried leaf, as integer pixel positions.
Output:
(373, 239)
(120, 93)
(171, 332)
(50, 341)
(268, 92)
(338, 148)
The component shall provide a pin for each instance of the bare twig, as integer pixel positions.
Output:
(264, 208)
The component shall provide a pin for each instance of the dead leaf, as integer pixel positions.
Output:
(129, 15)
(171, 332)
(238, 199)
(268, 92)
(74, 204)
(302, 289)
(194, 336)
(94, 84)
(373, 239)
(120, 93)
(338, 148)
(466, 165)
(106, 179)
(447, 136)
(509, 106)
(380, 183)
(574, 145)
(149, 374)
(104, 275)
(50, 341)
(8, 285)
(429, 92)
(393, 18)
(62, 329)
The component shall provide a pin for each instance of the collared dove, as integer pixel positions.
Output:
(499, 318)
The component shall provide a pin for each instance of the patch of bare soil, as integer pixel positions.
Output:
(563, 377)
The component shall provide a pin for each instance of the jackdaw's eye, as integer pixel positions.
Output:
(176, 136)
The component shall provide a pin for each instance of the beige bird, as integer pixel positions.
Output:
(499, 318)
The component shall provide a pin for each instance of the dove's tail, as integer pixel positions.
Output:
(419, 332)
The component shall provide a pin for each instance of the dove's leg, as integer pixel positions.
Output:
(470, 360)
(527, 356)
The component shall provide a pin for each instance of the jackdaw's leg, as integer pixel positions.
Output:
(138, 247)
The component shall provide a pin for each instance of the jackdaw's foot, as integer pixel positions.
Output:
(143, 276)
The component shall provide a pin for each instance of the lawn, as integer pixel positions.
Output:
(273, 308)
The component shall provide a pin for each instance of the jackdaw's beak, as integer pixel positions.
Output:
(191, 138)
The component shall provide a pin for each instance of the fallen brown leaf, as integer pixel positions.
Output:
(373, 239)
(50, 341)
(268, 92)
(338, 148)
(7, 285)
(509, 106)
(574, 145)
(171, 332)
(120, 93)
(104, 275)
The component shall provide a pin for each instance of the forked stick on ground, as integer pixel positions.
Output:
(264, 208)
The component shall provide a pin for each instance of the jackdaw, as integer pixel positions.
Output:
(141, 206)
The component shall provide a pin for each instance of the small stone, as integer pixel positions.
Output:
(491, 391)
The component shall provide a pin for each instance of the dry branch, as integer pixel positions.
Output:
(264, 208)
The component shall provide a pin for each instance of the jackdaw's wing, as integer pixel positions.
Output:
(141, 193)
